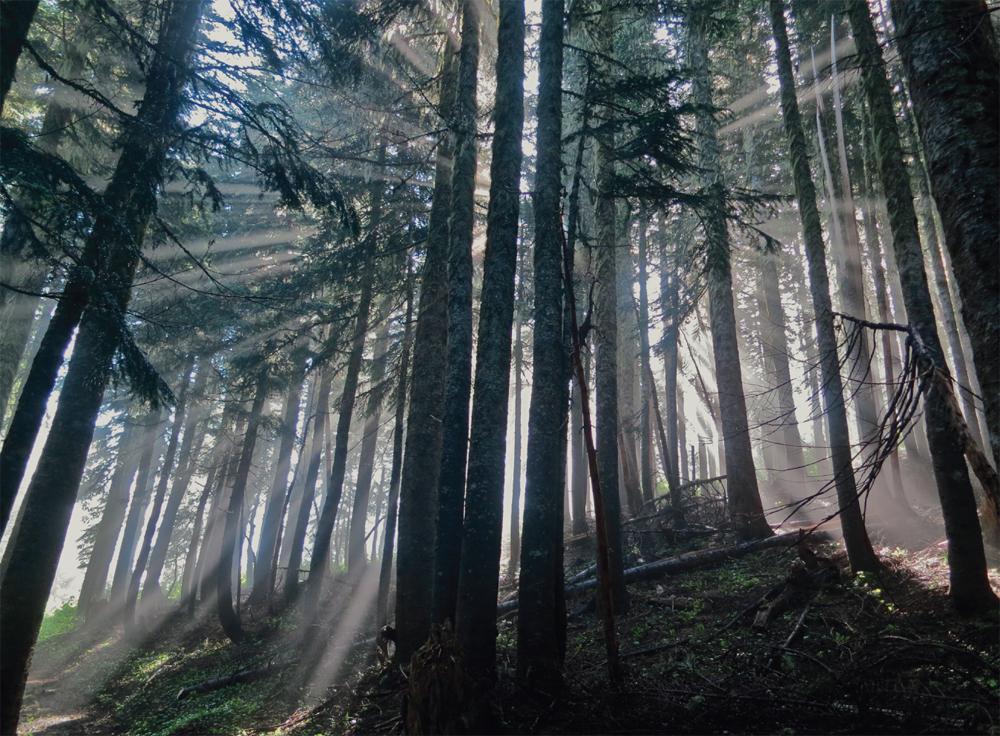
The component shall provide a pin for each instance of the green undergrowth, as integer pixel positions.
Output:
(875, 653)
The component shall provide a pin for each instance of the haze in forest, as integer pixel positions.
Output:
(378, 321)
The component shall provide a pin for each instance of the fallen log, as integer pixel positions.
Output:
(247, 675)
(681, 563)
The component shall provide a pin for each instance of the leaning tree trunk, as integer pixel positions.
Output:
(232, 537)
(970, 586)
(859, 548)
(458, 370)
(950, 55)
(539, 658)
(482, 535)
(422, 459)
(131, 198)
(746, 510)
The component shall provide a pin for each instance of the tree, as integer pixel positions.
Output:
(232, 537)
(746, 511)
(482, 533)
(458, 376)
(952, 96)
(422, 456)
(859, 549)
(540, 627)
(970, 586)
(606, 320)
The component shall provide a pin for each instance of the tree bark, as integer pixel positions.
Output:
(646, 462)
(539, 658)
(15, 20)
(458, 375)
(482, 535)
(422, 461)
(950, 56)
(859, 549)
(970, 586)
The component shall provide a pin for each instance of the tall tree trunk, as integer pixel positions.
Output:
(422, 461)
(458, 376)
(859, 549)
(482, 535)
(389, 535)
(232, 534)
(669, 285)
(606, 331)
(166, 471)
(539, 656)
(298, 536)
(356, 557)
(745, 507)
(189, 450)
(267, 549)
(951, 58)
(933, 253)
(109, 529)
(970, 586)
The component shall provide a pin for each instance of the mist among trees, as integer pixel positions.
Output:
(435, 365)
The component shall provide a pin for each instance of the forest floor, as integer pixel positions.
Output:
(872, 653)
